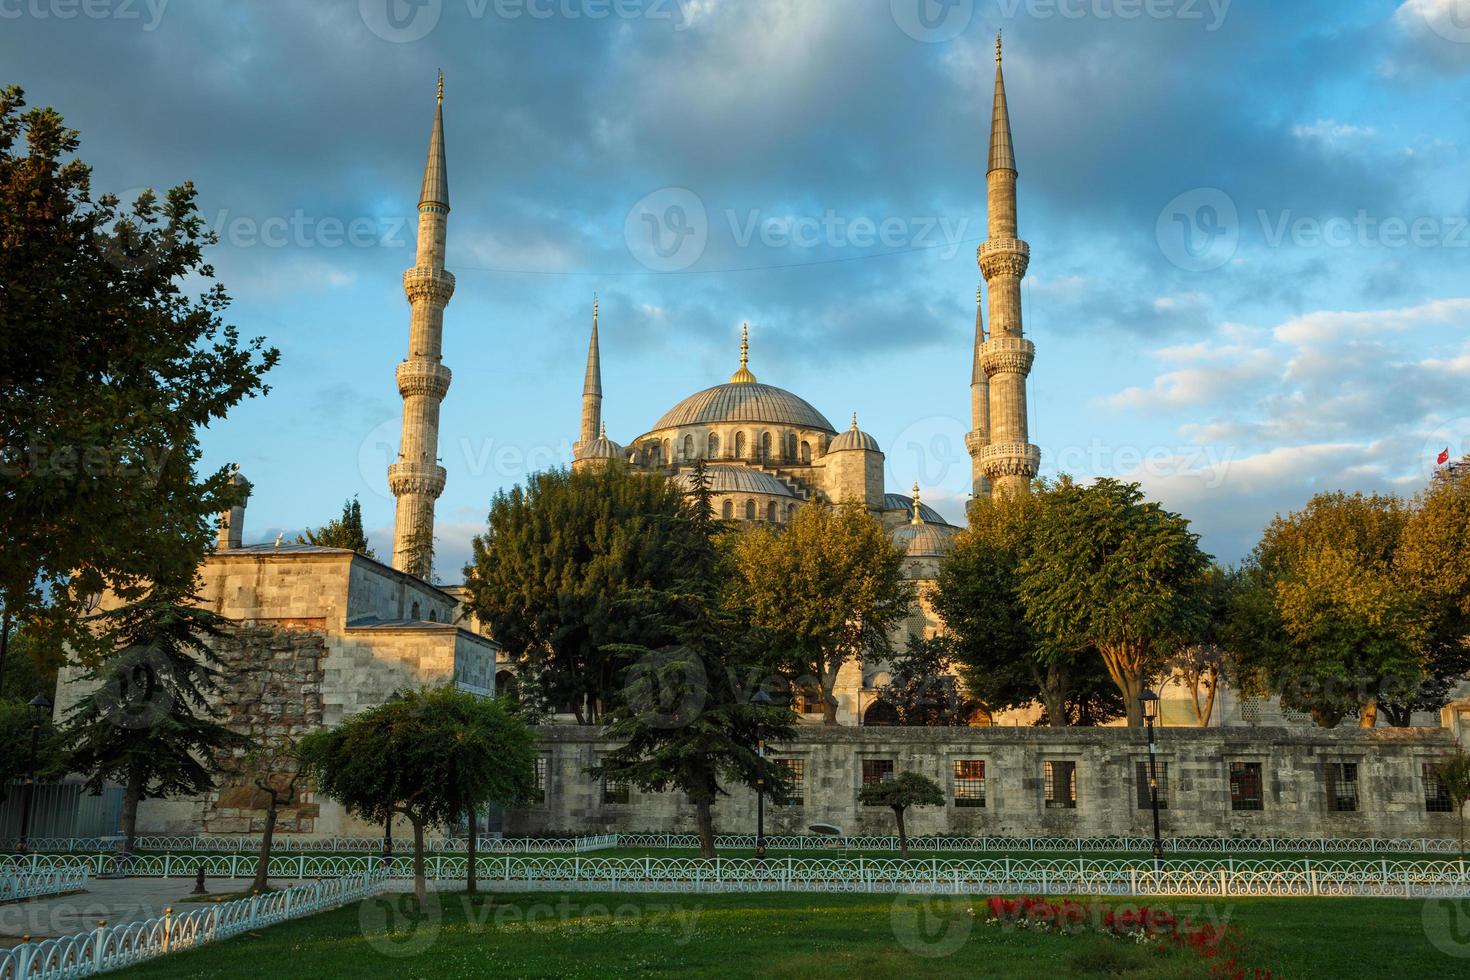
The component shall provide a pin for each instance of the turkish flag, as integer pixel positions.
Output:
(1444, 457)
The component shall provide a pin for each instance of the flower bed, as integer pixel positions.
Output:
(1222, 947)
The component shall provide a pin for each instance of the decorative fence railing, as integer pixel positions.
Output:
(114, 947)
(321, 845)
(1088, 876)
(33, 884)
(287, 844)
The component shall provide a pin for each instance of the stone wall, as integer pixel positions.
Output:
(1293, 764)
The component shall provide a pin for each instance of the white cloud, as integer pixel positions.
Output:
(1327, 326)
(1331, 133)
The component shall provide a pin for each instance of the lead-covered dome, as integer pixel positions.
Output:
(728, 478)
(854, 438)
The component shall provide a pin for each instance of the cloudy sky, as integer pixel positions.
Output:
(1250, 273)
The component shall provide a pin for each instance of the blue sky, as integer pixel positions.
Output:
(1250, 273)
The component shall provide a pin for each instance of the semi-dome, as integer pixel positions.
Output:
(732, 479)
(854, 438)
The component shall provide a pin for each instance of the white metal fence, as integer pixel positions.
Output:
(321, 845)
(114, 947)
(1089, 876)
(33, 884)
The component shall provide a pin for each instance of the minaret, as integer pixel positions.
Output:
(1008, 460)
(417, 479)
(979, 435)
(591, 390)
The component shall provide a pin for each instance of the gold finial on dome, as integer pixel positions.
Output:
(743, 376)
(441, 86)
(602, 430)
(854, 422)
(997, 47)
(918, 517)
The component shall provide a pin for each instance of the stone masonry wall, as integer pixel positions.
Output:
(1390, 787)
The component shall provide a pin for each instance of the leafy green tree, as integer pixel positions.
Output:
(1107, 570)
(276, 770)
(827, 589)
(17, 718)
(1454, 775)
(431, 755)
(1433, 561)
(108, 369)
(345, 532)
(1322, 618)
(559, 555)
(898, 794)
(149, 722)
(32, 660)
(1002, 661)
(923, 691)
(1204, 662)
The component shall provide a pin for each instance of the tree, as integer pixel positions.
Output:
(32, 660)
(1202, 664)
(430, 755)
(827, 589)
(149, 722)
(1108, 570)
(1321, 616)
(276, 769)
(558, 556)
(17, 718)
(923, 691)
(107, 372)
(345, 532)
(1002, 661)
(899, 793)
(1454, 775)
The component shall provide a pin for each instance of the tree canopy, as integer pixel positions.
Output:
(345, 532)
(898, 794)
(827, 589)
(107, 371)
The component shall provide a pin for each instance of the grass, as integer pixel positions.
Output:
(791, 935)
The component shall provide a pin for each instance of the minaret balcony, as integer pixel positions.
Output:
(1007, 355)
(975, 443)
(1003, 257)
(434, 285)
(1010, 459)
(426, 479)
(422, 377)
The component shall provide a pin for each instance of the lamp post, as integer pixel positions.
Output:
(40, 705)
(1149, 702)
(762, 700)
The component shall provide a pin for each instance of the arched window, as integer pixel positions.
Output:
(740, 445)
(728, 510)
(765, 445)
(771, 512)
(433, 615)
(791, 446)
(750, 510)
(790, 511)
(714, 445)
(414, 612)
(505, 684)
(880, 714)
(689, 447)
(806, 452)
(668, 451)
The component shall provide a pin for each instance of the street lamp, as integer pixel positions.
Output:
(40, 707)
(1149, 702)
(763, 700)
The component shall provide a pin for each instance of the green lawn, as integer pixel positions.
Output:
(797, 936)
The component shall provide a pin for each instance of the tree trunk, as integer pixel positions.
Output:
(263, 862)
(1203, 711)
(1054, 697)
(1368, 716)
(419, 891)
(706, 821)
(1126, 669)
(470, 871)
(131, 797)
(903, 837)
(1326, 718)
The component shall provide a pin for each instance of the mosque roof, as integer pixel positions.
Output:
(853, 438)
(733, 478)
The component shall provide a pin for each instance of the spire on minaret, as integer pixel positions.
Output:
(743, 376)
(592, 386)
(436, 171)
(977, 374)
(918, 516)
(1002, 150)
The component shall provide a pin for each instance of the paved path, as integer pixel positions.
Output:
(115, 900)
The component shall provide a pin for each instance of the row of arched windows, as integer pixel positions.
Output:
(786, 448)
(750, 511)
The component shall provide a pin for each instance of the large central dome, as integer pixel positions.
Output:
(744, 402)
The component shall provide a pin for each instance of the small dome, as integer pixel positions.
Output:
(732, 479)
(898, 503)
(601, 448)
(854, 438)
(923, 540)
